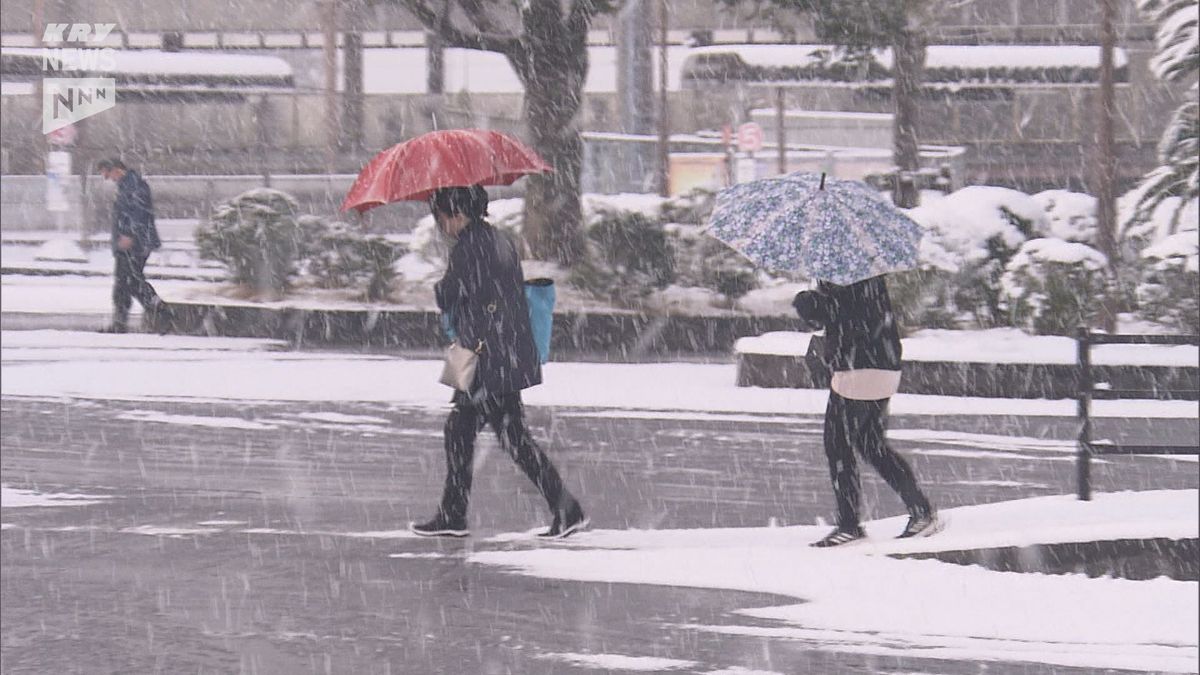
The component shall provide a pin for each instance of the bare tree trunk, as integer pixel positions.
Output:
(435, 63)
(550, 56)
(908, 56)
(353, 102)
(553, 71)
(329, 20)
(553, 207)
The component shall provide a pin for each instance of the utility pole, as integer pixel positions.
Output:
(664, 111)
(780, 132)
(329, 16)
(1106, 167)
(635, 94)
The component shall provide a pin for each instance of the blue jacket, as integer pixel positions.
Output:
(133, 214)
(483, 291)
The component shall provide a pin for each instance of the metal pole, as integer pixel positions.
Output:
(664, 140)
(1106, 193)
(1084, 398)
(780, 131)
(329, 51)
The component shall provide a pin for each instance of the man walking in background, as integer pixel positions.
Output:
(134, 236)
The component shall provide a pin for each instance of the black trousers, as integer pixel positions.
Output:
(129, 281)
(861, 426)
(506, 416)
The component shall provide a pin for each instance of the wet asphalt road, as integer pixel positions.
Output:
(96, 589)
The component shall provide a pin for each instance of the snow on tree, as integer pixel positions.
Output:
(1177, 60)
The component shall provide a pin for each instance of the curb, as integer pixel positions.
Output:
(1136, 559)
(986, 380)
(155, 275)
(613, 334)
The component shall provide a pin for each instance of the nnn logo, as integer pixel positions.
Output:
(68, 100)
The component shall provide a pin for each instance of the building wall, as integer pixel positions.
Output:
(1027, 21)
(286, 133)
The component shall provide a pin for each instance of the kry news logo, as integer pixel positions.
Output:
(66, 100)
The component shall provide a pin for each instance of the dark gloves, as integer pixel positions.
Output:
(813, 309)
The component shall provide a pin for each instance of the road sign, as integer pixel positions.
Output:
(750, 137)
(58, 170)
(63, 135)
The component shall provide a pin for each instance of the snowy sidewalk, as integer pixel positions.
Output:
(85, 365)
(861, 600)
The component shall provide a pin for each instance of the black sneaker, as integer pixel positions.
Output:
(840, 537)
(565, 525)
(439, 527)
(114, 329)
(921, 525)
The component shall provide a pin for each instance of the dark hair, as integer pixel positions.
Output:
(469, 201)
(111, 163)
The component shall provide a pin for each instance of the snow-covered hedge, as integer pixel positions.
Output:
(269, 247)
(628, 258)
(1169, 292)
(259, 236)
(1052, 286)
(343, 256)
(991, 256)
(636, 248)
(971, 235)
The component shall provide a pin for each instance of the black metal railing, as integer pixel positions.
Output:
(1088, 390)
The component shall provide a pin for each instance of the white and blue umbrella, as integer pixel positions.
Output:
(840, 231)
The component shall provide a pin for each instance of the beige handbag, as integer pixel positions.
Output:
(459, 370)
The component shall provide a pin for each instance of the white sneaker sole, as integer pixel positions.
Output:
(577, 527)
(937, 526)
(438, 533)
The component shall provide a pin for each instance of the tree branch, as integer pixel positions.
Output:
(455, 37)
(582, 13)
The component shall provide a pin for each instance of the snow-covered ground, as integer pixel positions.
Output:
(85, 365)
(860, 600)
(854, 600)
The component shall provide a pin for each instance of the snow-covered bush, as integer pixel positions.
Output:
(925, 297)
(629, 257)
(703, 262)
(258, 236)
(1176, 60)
(1052, 286)
(975, 231)
(1169, 292)
(344, 257)
(694, 208)
(1070, 216)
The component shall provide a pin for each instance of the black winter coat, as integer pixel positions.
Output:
(860, 327)
(133, 214)
(483, 290)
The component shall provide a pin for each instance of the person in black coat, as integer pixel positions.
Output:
(134, 237)
(483, 293)
(862, 349)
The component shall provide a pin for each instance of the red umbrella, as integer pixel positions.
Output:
(414, 169)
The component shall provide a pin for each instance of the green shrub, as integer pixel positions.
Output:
(1169, 292)
(630, 258)
(694, 208)
(923, 298)
(1053, 286)
(258, 236)
(345, 257)
(701, 261)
